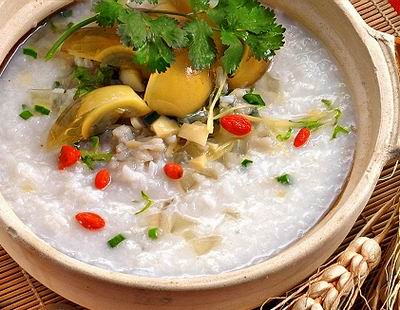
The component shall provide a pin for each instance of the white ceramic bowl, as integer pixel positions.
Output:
(368, 61)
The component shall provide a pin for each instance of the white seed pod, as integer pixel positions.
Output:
(371, 252)
(345, 282)
(359, 266)
(319, 289)
(356, 245)
(346, 257)
(330, 298)
(333, 273)
(304, 303)
(316, 307)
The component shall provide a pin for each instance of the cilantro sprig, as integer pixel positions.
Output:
(155, 35)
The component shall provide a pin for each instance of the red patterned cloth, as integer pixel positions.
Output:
(396, 5)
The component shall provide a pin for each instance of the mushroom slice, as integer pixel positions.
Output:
(204, 245)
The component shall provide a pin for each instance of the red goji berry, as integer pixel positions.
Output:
(302, 137)
(102, 179)
(173, 171)
(68, 157)
(236, 124)
(90, 221)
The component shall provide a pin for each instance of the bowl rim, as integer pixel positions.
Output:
(330, 224)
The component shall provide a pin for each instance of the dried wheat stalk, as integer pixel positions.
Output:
(337, 284)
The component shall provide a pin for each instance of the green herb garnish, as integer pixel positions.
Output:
(41, 109)
(284, 179)
(88, 80)
(148, 203)
(115, 241)
(95, 142)
(26, 114)
(155, 38)
(28, 51)
(339, 130)
(254, 99)
(246, 163)
(286, 136)
(152, 233)
(91, 158)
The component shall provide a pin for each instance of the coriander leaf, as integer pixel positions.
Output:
(153, 39)
(286, 136)
(133, 29)
(254, 99)
(199, 5)
(108, 12)
(264, 45)
(246, 163)
(168, 29)
(156, 55)
(202, 51)
(284, 179)
(233, 54)
(339, 130)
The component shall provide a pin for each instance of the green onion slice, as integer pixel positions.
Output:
(284, 179)
(25, 115)
(116, 240)
(246, 163)
(42, 109)
(28, 51)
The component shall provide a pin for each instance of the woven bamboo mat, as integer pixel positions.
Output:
(19, 291)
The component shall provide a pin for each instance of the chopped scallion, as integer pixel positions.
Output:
(152, 233)
(246, 163)
(284, 179)
(26, 114)
(254, 99)
(30, 52)
(115, 241)
(41, 109)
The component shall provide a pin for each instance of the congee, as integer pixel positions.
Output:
(170, 140)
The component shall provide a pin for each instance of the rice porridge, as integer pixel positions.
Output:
(175, 203)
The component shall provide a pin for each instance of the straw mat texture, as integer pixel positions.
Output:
(19, 291)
